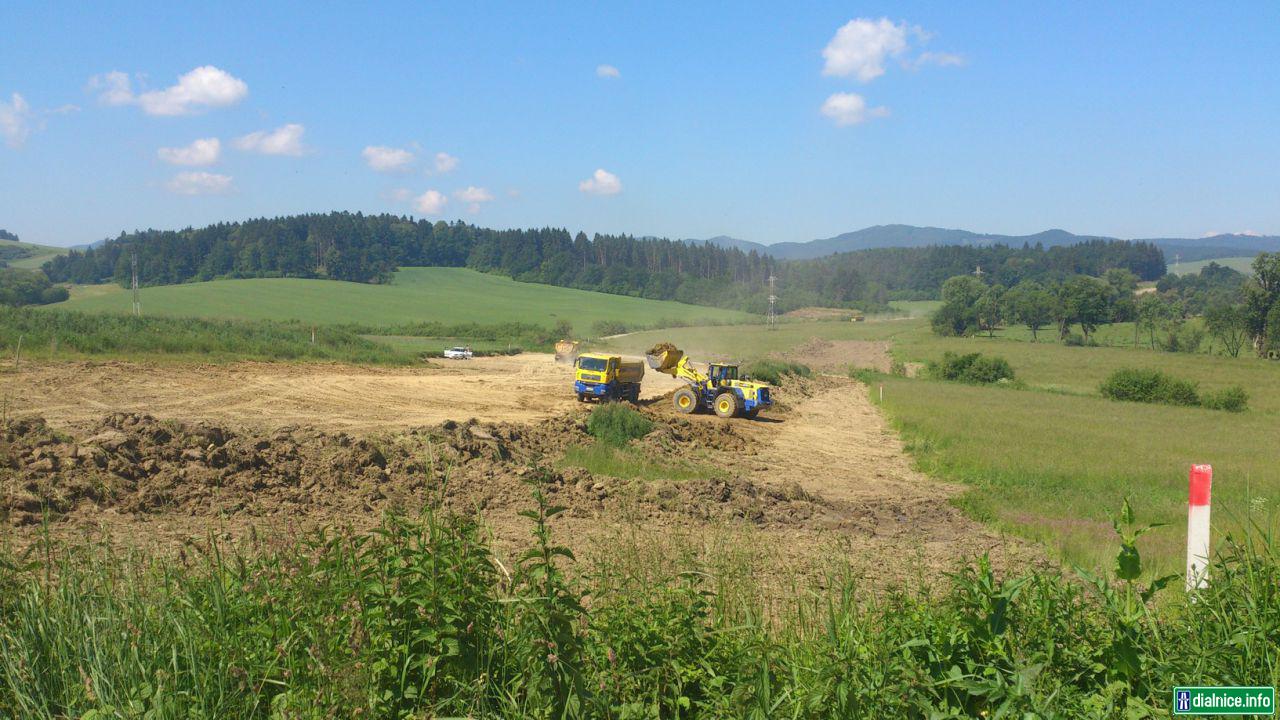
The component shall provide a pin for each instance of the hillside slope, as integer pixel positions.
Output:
(447, 295)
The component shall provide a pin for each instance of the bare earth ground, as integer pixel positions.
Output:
(162, 455)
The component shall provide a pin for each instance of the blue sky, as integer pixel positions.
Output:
(1127, 119)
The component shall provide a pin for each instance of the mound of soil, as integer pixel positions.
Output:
(134, 464)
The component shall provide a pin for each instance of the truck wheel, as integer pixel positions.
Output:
(685, 400)
(582, 397)
(726, 405)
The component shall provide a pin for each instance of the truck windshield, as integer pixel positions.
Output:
(593, 364)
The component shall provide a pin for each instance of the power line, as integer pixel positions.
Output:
(137, 302)
(773, 301)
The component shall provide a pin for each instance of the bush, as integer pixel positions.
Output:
(615, 424)
(971, 368)
(772, 371)
(1149, 386)
(1232, 399)
(605, 328)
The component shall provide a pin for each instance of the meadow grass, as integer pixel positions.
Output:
(419, 618)
(1241, 264)
(447, 295)
(58, 335)
(40, 254)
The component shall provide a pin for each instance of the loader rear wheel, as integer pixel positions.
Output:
(685, 400)
(726, 405)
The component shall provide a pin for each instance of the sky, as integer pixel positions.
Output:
(767, 122)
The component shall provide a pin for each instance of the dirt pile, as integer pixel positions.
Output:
(136, 465)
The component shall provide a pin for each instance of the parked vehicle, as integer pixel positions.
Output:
(458, 353)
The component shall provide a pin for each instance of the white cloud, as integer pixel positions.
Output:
(473, 196)
(114, 88)
(860, 47)
(445, 162)
(850, 109)
(15, 121)
(431, 202)
(607, 71)
(401, 194)
(940, 59)
(200, 89)
(601, 182)
(284, 140)
(201, 152)
(200, 183)
(387, 159)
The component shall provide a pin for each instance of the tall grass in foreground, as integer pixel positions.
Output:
(418, 619)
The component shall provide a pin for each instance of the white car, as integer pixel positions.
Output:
(458, 353)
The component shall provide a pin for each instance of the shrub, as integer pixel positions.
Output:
(615, 424)
(772, 371)
(1232, 399)
(604, 328)
(1149, 386)
(1073, 340)
(971, 368)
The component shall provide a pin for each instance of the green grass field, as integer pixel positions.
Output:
(448, 295)
(1055, 460)
(1243, 264)
(41, 254)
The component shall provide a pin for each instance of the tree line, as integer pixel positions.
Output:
(1236, 311)
(369, 248)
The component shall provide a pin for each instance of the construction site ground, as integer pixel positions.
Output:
(157, 456)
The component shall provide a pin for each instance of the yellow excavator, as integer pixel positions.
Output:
(718, 389)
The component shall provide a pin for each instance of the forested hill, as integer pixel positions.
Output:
(368, 248)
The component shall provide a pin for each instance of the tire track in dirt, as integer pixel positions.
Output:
(837, 446)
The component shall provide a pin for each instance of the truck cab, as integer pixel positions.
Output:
(600, 376)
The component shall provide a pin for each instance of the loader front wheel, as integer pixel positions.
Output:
(685, 400)
(726, 405)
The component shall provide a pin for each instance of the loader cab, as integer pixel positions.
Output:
(721, 374)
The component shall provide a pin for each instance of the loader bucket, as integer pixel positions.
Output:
(664, 360)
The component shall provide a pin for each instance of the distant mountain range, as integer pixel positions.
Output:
(882, 236)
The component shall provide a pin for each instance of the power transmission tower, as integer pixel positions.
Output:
(773, 301)
(133, 262)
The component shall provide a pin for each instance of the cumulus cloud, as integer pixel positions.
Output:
(431, 202)
(601, 182)
(473, 196)
(15, 121)
(201, 152)
(607, 71)
(284, 140)
(445, 162)
(387, 159)
(860, 46)
(200, 183)
(200, 89)
(846, 109)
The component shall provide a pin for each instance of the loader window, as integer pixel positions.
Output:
(592, 364)
(722, 373)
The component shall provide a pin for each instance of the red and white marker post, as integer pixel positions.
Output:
(1198, 526)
